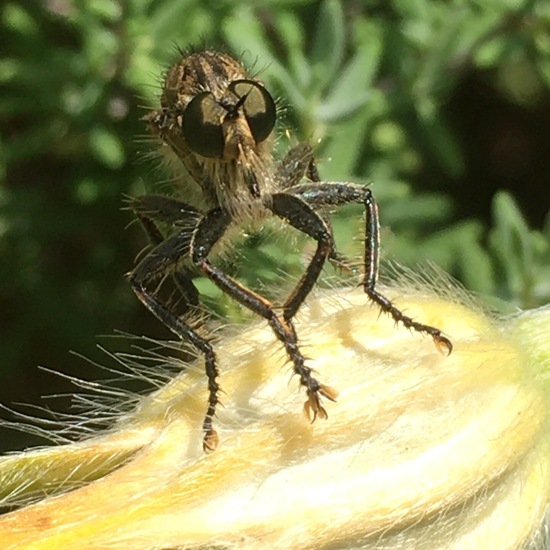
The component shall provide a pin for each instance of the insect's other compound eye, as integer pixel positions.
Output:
(202, 126)
(258, 105)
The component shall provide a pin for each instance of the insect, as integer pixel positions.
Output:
(217, 122)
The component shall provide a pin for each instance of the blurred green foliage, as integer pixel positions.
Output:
(443, 106)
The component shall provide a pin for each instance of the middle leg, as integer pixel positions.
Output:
(339, 193)
(301, 216)
(297, 164)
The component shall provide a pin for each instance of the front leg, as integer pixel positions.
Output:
(339, 193)
(157, 263)
(209, 230)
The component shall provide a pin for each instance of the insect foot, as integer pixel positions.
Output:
(313, 407)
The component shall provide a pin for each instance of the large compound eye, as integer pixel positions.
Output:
(202, 126)
(258, 105)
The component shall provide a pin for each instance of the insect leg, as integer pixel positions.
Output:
(295, 165)
(148, 208)
(298, 163)
(300, 215)
(338, 193)
(155, 264)
(208, 232)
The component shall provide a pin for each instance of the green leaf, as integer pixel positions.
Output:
(412, 9)
(245, 34)
(343, 150)
(418, 210)
(107, 147)
(444, 146)
(183, 23)
(353, 86)
(328, 43)
(18, 19)
(106, 9)
(473, 260)
(511, 243)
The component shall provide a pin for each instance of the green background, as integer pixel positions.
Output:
(443, 106)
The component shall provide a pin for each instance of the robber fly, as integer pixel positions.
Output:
(217, 121)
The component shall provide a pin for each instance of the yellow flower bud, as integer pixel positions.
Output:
(420, 451)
